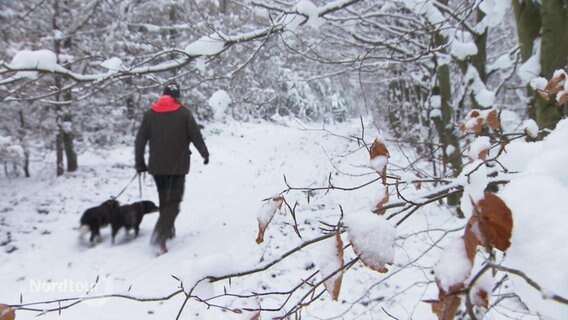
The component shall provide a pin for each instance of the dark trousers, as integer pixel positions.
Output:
(170, 192)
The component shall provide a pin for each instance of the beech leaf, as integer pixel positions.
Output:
(493, 120)
(372, 238)
(447, 306)
(495, 221)
(7, 313)
(331, 260)
(556, 83)
(379, 158)
(383, 200)
(265, 215)
(562, 97)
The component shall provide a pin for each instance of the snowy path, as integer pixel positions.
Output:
(217, 222)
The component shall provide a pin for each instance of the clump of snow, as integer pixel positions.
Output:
(462, 50)
(483, 96)
(41, 59)
(474, 180)
(495, 11)
(219, 101)
(379, 163)
(479, 145)
(436, 101)
(206, 46)
(453, 267)
(310, 10)
(531, 68)
(502, 63)
(372, 237)
(538, 83)
(112, 64)
(435, 113)
(531, 128)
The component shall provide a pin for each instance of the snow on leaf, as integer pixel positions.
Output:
(471, 238)
(479, 148)
(7, 313)
(454, 267)
(330, 259)
(480, 290)
(556, 84)
(379, 158)
(531, 128)
(383, 198)
(372, 238)
(562, 97)
(266, 214)
(476, 119)
(495, 221)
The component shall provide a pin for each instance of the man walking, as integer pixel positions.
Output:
(168, 128)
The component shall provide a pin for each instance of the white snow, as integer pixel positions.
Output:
(112, 64)
(453, 267)
(40, 59)
(479, 145)
(217, 226)
(538, 83)
(206, 46)
(531, 68)
(373, 236)
(219, 102)
(462, 50)
(310, 10)
(379, 163)
(530, 127)
(538, 245)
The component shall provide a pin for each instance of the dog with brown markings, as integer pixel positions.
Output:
(130, 216)
(95, 218)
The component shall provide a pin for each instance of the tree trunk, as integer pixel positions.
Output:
(553, 56)
(528, 18)
(64, 139)
(24, 142)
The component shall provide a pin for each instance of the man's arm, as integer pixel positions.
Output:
(140, 145)
(196, 138)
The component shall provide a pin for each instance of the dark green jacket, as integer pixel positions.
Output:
(168, 128)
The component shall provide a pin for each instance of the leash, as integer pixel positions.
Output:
(126, 186)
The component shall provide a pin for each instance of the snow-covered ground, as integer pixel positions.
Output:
(42, 258)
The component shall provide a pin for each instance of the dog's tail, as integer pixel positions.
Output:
(83, 230)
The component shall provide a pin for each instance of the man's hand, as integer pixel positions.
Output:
(141, 168)
(206, 160)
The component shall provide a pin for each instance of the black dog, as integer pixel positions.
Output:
(97, 217)
(130, 216)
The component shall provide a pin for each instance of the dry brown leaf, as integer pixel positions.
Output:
(562, 97)
(478, 126)
(7, 313)
(333, 284)
(470, 238)
(495, 221)
(482, 298)
(378, 148)
(483, 154)
(555, 84)
(493, 120)
(379, 206)
(266, 214)
(446, 306)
